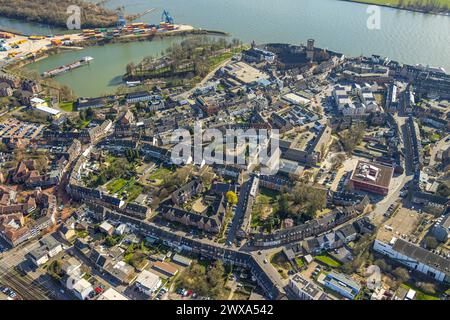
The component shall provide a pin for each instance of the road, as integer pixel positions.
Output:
(211, 74)
(239, 214)
(398, 183)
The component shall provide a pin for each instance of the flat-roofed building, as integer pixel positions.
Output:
(395, 241)
(182, 260)
(342, 284)
(81, 288)
(306, 290)
(148, 282)
(372, 177)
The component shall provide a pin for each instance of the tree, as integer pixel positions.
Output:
(352, 138)
(207, 175)
(337, 161)
(3, 147)
(232, 198)
(215, 274)
(383, 265)
(402, 274)
(431, 242)
(110, 241)
(444, 190)
(427, 287)
(131, 69)
(41, 164)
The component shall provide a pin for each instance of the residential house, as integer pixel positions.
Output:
(148, 282)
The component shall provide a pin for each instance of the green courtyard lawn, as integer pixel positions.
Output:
(159, 175)
(132, 189)
(300, 262)
(67, 106)
(419, 294)
(328, 261)
(120, 186)
(266, 205)
(116, 185)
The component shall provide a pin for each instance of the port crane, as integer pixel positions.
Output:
(122, 21)
(166, 17)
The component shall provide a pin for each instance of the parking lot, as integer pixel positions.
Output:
(12, 128)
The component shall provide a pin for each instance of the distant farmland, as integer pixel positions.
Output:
(429, 6)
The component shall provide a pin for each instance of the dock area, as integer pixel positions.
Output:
(15, 48)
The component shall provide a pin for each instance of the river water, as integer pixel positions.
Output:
(340, 26)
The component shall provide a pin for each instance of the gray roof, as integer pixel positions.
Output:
(422, 255)
(50, 243)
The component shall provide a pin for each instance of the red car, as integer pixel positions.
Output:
(98, 290)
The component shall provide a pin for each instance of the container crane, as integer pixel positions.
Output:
(166, 17)
(122, 20)
(140, 15)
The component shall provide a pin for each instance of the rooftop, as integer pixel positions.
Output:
(148, 279)
(422, 255)
(245, 73)
(112, 294)
(373, 174)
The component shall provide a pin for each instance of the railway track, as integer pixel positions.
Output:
(25, 287)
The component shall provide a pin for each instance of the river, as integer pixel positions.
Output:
(408, 37)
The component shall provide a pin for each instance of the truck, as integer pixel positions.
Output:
(56, 42)
(34, 37)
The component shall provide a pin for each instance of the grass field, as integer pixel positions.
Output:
(419, 294)
(159, 175)
(115, 185)
(328, 261)
(130, 187)
(66, 106)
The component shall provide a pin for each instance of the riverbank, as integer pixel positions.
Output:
(397, 4)
(28, 50)
(54, 13)
(40, 50)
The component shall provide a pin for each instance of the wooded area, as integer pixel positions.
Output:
(55, 12)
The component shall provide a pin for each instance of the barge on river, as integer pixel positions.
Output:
(68, 67)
